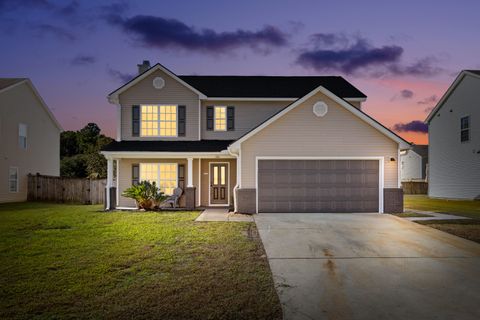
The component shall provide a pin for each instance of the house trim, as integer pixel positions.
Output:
(113, 96)
(210, 187)
(381, 173)
(402, 143)
(449, 91)
(164, 155)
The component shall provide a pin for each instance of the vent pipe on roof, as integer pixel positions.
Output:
(143, 67)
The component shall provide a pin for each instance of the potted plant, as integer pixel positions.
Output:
(146, 194)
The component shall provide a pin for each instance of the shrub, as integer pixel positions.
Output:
(146, 194)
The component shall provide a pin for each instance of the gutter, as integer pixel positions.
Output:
(236, 154)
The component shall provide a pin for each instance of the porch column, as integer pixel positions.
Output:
(190, 190)
(108, 193)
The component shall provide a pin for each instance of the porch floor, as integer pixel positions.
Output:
(222, 214)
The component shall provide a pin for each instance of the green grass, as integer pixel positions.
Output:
(71, 261)
(464, 208)
(411, 215)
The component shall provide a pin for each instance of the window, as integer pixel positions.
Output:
(22, 135)
(159, 121)
(465, 129)
(163, 174)
(220, 118)
(13, 179)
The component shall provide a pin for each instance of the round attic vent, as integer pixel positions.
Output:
(158, 83)
(320, 108)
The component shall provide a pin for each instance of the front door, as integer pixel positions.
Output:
(218, 183)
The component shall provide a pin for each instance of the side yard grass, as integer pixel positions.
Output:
(466, 228)
(66, 261)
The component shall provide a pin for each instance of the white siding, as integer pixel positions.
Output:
(454, 167)
(411, 166)
(42, 155)
(338, 134)
(172, 93)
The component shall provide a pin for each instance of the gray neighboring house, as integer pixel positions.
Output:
(254, 143)
(29, 138)
(414, 163)
(454, 140)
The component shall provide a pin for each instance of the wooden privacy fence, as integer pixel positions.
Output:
(60, 189)
(415, 187)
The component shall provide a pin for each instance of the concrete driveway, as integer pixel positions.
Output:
(369, 266)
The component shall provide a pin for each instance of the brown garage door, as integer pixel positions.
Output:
(318, 185)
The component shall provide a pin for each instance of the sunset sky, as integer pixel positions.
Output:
(402, 55)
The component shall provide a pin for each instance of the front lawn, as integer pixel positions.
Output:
(464, 208)
(465, 228)
(71, 261)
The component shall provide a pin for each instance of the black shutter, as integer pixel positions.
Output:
(181, 121)
(135, 121)
(209, 118)
(135, 174)
(181, 176)
(230, 118)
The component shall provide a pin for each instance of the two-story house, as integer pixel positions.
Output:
(257, 143)
(454, 140)
(29, 138)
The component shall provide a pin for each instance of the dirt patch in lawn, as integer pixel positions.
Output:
(468, 229)
(411, 215)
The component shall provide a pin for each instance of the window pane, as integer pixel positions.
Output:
(215, 175)
(222, 175)
(220, 118)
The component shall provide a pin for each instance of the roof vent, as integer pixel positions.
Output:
(143, 67)
(320, 109)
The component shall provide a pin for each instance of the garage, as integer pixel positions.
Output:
(287, 185)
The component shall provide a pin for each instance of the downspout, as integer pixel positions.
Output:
(236, 154)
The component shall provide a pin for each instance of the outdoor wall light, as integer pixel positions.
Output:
(392, 159)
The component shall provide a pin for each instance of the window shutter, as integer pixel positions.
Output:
(135, 174)
(135, 121)
(181, 176)
(230, 118)
(181, 120)
(209, 118)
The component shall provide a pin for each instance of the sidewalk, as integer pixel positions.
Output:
(222, 214)
(434, 216)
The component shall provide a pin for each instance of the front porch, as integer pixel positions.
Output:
(206, 180)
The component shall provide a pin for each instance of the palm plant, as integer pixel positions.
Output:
(146, 194)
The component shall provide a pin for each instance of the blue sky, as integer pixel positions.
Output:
(76, 52)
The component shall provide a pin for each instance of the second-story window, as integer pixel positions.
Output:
(465, 129)
(158, 121)
(220, 118)
(22, 135)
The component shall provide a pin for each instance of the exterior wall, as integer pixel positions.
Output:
(248, 115)
(338, 134)
(205, 188)
(411, 163)
(21, 105)
(202, 190)
(173, 93)
(454, 167)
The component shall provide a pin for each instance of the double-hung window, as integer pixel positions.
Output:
(465, 129)
(22, 136)
(13, 179)
(158, 121)
(163, 174)
(220, 116)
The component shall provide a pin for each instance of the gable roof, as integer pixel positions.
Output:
(292, 87)
(421, 149)
(456, 82)
(9, 83)
(362, 115)
(270, 86)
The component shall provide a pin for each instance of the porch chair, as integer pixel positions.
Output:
(173, 199)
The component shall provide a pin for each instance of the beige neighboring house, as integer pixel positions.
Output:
(454, 140)
(254, 143)
(29, 138)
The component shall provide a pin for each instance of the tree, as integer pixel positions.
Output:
(87, 138)
(68, 144)
(96, 165)
(74, 167)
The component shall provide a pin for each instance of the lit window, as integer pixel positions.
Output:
(465, 129)
(220, 118)
(159, 121)
(163, 174)
(22, 136)
(13, 179)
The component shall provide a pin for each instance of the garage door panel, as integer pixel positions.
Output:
(318, 185)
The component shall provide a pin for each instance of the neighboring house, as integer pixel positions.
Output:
(258, 143)
(29, 138)
(414, 163)
(454, 140)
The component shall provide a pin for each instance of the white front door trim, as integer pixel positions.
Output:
(380, 159)
(209, 183)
